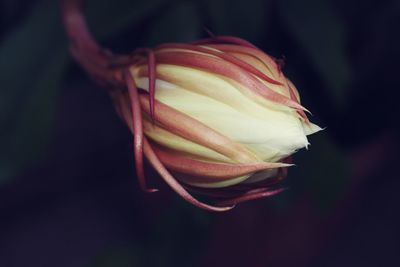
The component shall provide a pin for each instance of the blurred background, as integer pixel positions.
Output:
(68, 191)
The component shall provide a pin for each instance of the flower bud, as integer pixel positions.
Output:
(216, 117)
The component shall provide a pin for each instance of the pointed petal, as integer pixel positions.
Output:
(311, 128)
(295, 98)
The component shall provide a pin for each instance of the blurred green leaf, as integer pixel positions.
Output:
(179, 23)
(32, 61)
(247, 20)
(321, 33)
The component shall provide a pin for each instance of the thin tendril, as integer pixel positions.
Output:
(137, 131)
(175, 185)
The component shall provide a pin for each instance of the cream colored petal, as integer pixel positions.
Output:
(220, 88)
(270, 134)
(311, 128)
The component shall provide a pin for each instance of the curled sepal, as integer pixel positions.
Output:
(222, 67)
(208, 170)
(225, 39)
(193, 130)
(174, 184)
(151, 70)
(251, 195)
(254, 53)
(221, 54)
(137, 131)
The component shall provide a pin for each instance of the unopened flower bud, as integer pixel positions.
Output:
(216, 117)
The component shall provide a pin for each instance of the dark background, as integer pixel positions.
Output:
(68, 192)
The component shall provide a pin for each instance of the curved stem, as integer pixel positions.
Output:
(76, 26)
(99, 62)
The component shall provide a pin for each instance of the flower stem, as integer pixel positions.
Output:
(103, 66)
(76, 26)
